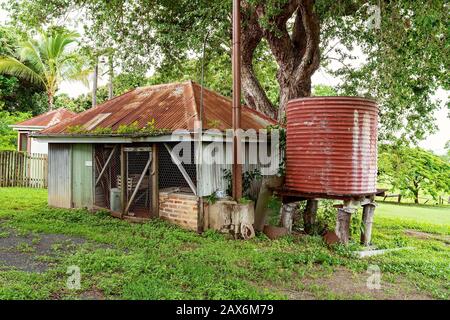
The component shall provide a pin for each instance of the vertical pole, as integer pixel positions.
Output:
(111, 77)
(309, 216)
(367, 221)
(94, 83)
(343, 221)
(123, 179)
(237, 167)
(155, 181)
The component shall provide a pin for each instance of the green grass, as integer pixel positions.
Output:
(428, 218)
(157, 260)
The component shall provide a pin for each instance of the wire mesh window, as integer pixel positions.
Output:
(138, 182)
(170, 175)
(108, 180)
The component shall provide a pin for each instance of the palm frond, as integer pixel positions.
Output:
(29, 53)
(14, 67)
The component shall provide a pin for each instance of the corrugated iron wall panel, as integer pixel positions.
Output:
(59, 175)
(82, 176)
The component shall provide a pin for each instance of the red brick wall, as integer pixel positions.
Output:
(179, 208)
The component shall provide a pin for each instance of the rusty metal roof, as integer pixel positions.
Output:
(173, 106)
(47, 119)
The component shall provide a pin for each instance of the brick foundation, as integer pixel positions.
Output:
(179, 208)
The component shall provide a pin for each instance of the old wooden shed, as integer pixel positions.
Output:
(120, 155)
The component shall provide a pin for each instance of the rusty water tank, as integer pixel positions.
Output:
(332, 145)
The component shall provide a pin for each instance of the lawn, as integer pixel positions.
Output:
(156, 260)
(437, 216)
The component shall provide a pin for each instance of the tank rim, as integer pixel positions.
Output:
(333, 97)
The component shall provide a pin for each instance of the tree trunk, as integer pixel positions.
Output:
(111, 78)
(309, 215)
(254, 94)
(367, 221)
(296, 53)
(291, 89)
(251, 36)
(343, 225)
(287, 215)
(416, 195)
(50, 101)
(94, 84)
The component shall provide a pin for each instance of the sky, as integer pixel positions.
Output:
(435, 142)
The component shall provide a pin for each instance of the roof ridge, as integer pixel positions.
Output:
(196, 107)
(259, 113)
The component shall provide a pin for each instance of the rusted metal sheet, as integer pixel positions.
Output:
(47, 119)
(332, 145)
(60, 175)
(82, 176)
(173, 106)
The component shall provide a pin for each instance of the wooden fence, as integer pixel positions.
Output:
(20, 169)
(441, 200)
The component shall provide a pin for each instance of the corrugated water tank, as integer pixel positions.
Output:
(332, 145)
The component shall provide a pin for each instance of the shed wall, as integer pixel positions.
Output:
(210, 173)
(82, 176)
(59, 175)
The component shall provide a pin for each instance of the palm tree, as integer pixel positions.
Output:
(47, 61)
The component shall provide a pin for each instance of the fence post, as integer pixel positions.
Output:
(399, 198)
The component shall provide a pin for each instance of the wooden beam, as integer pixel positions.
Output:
(343, 220)
(123, 178)
(155, 181)
(182, 170)
(106, 165)
(367, 222)
(138, 183)
(309, 215)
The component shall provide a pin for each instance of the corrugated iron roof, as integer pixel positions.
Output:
(47, 119)
(173, 106)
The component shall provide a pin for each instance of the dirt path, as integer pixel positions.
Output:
(33, 252)
(345, 284)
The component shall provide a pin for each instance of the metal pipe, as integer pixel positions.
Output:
(236, 64)
(203, 79)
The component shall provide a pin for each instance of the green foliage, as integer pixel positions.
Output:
(212, 198)
(323, 91)
(128, 129)
(282, 146)
(17, 95)
(245, 200)
(228, 176)
(413, 171)
(8, 137)
(78, 129)
(45, 62)
(248, 178)
(133, 129)
(156, 260)
(402, 65)
(101, 130)
(274, 205)
(406, 61)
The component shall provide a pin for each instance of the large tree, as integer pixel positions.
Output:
(402, 45)
(413, 171)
